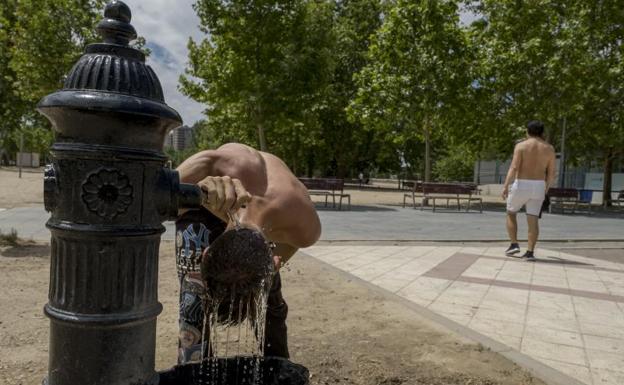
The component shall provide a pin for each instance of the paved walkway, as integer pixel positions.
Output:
(374, 223)
(565, 311)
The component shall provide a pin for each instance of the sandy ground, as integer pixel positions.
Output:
(28, 191)
(20, 192)
(344, 332)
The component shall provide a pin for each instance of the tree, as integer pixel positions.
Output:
(41, 41)
(11, 106)
(344, 146)
(417, 72)
(261, 68)
(599, 31)
(559, 61)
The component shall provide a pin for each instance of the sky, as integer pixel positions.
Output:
(166, 26)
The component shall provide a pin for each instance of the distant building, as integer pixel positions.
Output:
(169, 140)
(179, 138)
(182, 137)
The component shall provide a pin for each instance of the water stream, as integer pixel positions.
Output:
(245, 314)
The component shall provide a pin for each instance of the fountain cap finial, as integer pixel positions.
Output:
(115, 28)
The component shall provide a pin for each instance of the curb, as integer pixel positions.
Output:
(544, 372)
(555, 240)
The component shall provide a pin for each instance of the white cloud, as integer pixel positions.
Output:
(166, 26)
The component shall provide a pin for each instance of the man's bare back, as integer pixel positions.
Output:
(536, 159)
(280, 205)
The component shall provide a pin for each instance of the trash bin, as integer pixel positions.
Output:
(585, 196)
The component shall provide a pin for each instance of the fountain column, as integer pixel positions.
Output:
(108, 192)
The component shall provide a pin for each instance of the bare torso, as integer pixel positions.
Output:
(535, 158)
(280, 204)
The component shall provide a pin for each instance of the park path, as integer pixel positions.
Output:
(565, 311)
(391, 223)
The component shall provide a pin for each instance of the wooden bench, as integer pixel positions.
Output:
(449, 191)
(563, 196)
(327, 187)
(415, 193)
(620, 199)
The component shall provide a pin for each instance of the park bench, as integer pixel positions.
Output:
(415, 193)
(327, 187)
(450, 191)
(620, 199)
(444, 191)
(561, 197)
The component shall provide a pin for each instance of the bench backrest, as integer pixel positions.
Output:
(331, 184)
(558, 192)
(446, 188)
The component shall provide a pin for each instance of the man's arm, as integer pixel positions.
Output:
(198, 166)
(550, 170)
(513, 170)
(222, 195)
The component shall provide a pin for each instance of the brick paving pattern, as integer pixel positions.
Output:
(564, 310)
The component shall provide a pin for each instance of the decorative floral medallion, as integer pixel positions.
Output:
(107, 192)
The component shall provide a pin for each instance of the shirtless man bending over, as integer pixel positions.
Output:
(532, 172)
(258, 190)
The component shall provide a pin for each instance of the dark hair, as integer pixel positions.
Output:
(235, 267)
(535, 128)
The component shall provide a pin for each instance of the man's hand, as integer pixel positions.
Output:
(222, 195)
(505, 191)
(277, 262)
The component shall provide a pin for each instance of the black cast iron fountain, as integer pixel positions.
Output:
(108, 192)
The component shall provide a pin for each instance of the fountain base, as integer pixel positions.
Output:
(237, 371)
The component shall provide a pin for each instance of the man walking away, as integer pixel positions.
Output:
(532, 172)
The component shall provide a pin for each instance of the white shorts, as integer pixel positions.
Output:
(526, 192)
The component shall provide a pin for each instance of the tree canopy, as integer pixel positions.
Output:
(39, 42)
(339, 87)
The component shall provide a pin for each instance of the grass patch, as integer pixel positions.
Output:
(9, 239)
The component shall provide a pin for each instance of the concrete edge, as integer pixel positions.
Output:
(555, 240)
(544, 372)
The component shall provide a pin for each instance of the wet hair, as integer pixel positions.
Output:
(535, 128)
(234, 268)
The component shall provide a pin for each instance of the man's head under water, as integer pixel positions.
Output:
(236, 267)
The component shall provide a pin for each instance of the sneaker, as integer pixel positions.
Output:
(529, 256)
(513, 249)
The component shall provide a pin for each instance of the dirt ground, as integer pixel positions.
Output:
(28, 191)
(344, 332)
(20, 192)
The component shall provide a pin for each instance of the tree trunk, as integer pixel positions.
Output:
(562, 158)
(606, 179)
(261, 137)
(427, 155)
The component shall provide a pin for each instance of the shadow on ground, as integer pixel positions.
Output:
(357, 208)
(27, 250)
(560, 261)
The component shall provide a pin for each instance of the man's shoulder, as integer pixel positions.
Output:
(236, 147)
(548, 147)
